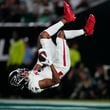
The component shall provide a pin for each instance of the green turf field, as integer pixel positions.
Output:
(53, 105)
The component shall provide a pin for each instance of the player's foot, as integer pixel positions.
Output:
(69, 16)
(89, 27)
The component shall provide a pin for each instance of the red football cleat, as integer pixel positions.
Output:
(90, 24)
(69, 16)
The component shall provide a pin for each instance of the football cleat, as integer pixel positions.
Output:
(90, 24)
(69, 16)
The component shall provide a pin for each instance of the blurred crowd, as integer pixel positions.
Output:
(42, 11)
(84, 84)
(21, 54)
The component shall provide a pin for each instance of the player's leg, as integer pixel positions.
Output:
(70, 34)
(69, 16)
(63, 59)
(87, 30)
(45, 36)
(62, 62)
(46, 41)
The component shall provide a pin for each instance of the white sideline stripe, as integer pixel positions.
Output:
(98, 2)
(45, 107)
(56, 102)
(91, 5)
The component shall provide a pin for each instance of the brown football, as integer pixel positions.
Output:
(41, 58)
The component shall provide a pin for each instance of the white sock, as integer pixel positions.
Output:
(54, 28)
(70, 34)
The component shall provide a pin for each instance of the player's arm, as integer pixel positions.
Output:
(45, 83)
(37, 67)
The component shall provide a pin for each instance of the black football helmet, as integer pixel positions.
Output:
(16, 79)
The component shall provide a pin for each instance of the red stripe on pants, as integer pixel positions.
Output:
(64, 54)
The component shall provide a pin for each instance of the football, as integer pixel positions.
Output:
(41, 54)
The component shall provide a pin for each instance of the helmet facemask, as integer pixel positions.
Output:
(16, 79)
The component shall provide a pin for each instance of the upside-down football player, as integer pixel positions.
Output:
(54, 60)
